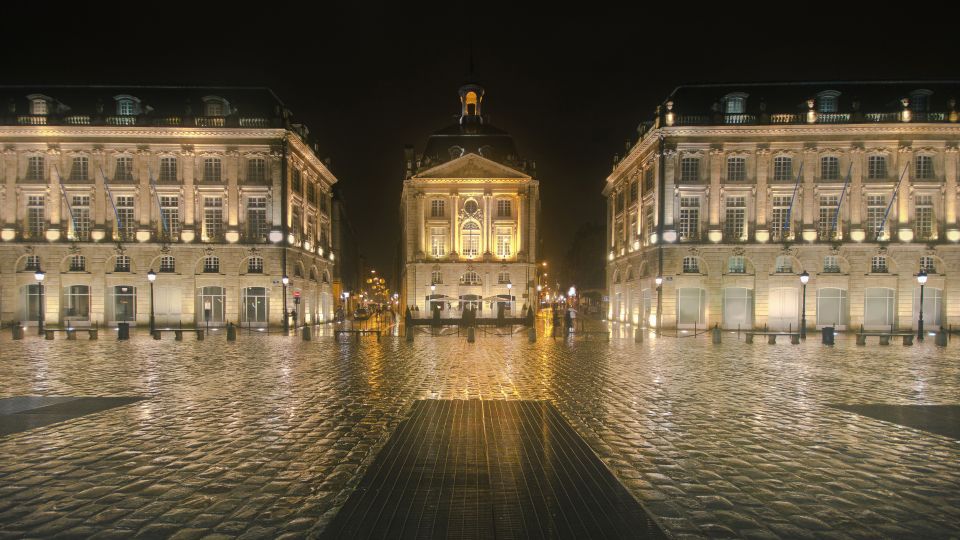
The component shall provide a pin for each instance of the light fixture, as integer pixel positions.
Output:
(804, 277)
(922, 277)
(658, 280)
(151, 276)
(39, 275)
(285, 280)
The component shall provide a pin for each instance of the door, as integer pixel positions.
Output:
(737, 308)
(784, 309)
(210, 309)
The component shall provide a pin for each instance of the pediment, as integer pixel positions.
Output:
(471, 166)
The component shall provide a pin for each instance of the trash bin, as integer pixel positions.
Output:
(123, 330)
(827, 336)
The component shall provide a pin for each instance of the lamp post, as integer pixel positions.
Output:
(922, 280)
(659, 281)
(510, 297)
(39, 275)
(804, 278)
(286, 316)
(151, 277)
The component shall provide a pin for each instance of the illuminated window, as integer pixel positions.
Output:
(827, 217)
(80, 213)
(736, 265)
(436, 277)
(878, 264)
(470, 100)
(735, 222)
(876, 167)
(170, 216)
(471, 239)
(438, 241)
(779, 217)
(734, 104)
(736, 169)
(691, 265)
(211, 264)
(690, 169)
(503, 278)
(831, 264)
(211, 169)
(123, 172)
(924, 168)
(876, 208)
(255, 265)
(828, 101)
(928, 264)
(256, 170)
(470, 278)
(923, 223)
(504, 238)
(437, 208)
(126, 225)
(829, 168)
(78, 263)
(784, 264)
(212, 218)
(121, 263)
(214, 108)
(126, 107)
(168, 264)
(782, 168)
(689, 228)
(503, 208)
(39, 106)
(80, 169)
(168, 169)
(35, 168)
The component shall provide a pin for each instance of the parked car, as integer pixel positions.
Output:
(361, 314)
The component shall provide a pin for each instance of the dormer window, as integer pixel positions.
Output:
(127, 105)
(920, 100)
(828, 101)
(735, 103)
(215, 106)
(39, 106)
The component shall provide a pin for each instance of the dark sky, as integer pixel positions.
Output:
(570, 89)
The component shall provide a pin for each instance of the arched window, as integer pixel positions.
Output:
(630, 274)
(471, 239)
(211, 264)
(503, 278)
(470, 101)
(470, 278)
(455, 151)
(168, 263)
(255, 265)
(784, 264)
(616, 277)
(325, 277)
(78, 263)
(828, 101)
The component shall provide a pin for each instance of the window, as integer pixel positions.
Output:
(690, 169)
(634, 191)
(32, 263)
(255, 265)
(213, 108)
(254, 305)
(471, 239)
(503, 208)
(691, 306)
(923, 169)
(76, 303)
(257, 225)
(736, 265)
(121, 263)
(616, 277)
(620, 201)
(437, 208)
(933, 306)
(212, 218)
(782, 168)
(123, 172)
(438, 242)
(256, 170)
(126, 107)
(504, 238)
(876, 208)
(168, 264)
(311, 193)
(470, 278)
(923, 223)
(630, 274)
(691, 265)
(503, 278)
(649, 222)
(211, 170)
(735, 223)
(737, 308)
(920, 100)
(648, 179)
(471, 207)
(296, 223)
(39, 106)
(168, 169)
(878, 307)
(689, 218)
(876, 167)
(78, 263)
(784, 264)
(170, 216)
(36, 219)
(211, 264)
(736, 169)
(832, 307)
(780, 217)
(633, 227)
(827, 102)
(126, 226)
(831, 264)
(295, 182)
(878, 264)
(828, 216)
(80, 169)
(309, 234)
(734, 104)
(124, 169)
(436, 277)
(829, 168)
(928, 264)
(35, 168)
(80, 213)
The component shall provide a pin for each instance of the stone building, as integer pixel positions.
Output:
(469, 215)
(734, 191)
(216, 190)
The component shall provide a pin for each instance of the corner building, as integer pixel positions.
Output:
(469, 216)
(216, 190)
(733, 191)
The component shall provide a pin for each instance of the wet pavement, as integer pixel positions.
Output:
(269, 437)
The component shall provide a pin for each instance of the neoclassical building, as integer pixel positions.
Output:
(469, 215)
(216, 190)
(733, 192)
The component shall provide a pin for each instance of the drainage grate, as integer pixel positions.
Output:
(485, 469)
(28, 412)
(940, 419)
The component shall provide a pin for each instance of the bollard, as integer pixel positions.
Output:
(306, 331)
(232, 332)
(908, 340)
(156, 335)
(178, 335)
(17, 331)
(72, 334)
(48, 334)
(861, 339)
(826, 335)
(94, 334)
(199, 335)
(716, 335)
(772, 339)
(532, 334)
(941, 339)
(123, 331)
(409, 332)
(749, 338)
(884, 340)
(795, 339)
(638, 335)
(471, 335)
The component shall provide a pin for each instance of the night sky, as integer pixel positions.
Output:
(570, 89)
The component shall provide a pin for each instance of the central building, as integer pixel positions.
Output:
(469, 214)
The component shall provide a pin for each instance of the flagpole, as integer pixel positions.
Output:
(796, 187)
(836, 216)
(63, 192)
(896, 190)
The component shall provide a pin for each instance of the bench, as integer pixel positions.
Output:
(49, 333)
(358, 333)
(178, 333)
(885, 337)
(772, 336)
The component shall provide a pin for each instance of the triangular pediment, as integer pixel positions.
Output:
(471, 166)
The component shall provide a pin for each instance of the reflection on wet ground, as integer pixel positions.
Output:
(270, 435)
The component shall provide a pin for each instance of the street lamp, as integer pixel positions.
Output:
(922, 280)
(286, 320)
(39, 275)
(804, 278)
(151, 277)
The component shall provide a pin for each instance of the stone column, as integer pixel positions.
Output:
(232, 170)
(9, 165)
(904, 232)
(762, 199)
(855, 196)
(716, 166)
(487, 223)
(55, 199)
(670, 162)
(950, 192)
(809, 230)
(454, 229)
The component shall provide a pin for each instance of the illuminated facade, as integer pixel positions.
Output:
(215, 190)
(469, 214)
(732, 192)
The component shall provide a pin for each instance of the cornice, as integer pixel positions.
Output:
(136, 132)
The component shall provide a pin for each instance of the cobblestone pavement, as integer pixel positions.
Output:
(266, 437)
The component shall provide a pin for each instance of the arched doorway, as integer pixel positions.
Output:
(211, 304)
